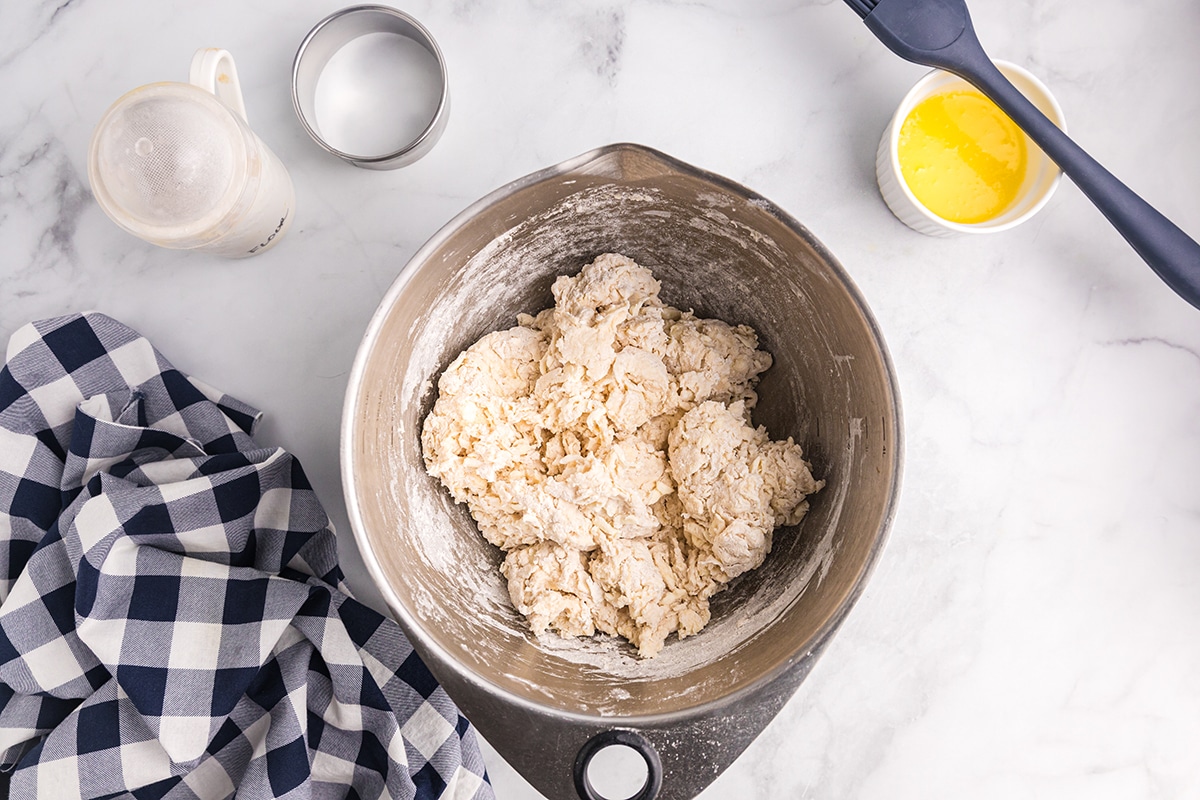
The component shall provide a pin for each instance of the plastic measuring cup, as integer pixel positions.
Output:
(177, 165)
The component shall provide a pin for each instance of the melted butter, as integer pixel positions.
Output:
(963, 158)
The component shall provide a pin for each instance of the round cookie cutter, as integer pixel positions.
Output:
(325, 40)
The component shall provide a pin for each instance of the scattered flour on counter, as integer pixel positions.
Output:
(605, 445)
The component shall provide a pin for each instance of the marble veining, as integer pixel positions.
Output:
(613, 31)
(1032, 627)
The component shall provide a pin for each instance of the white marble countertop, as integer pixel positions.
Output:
(1033, 628)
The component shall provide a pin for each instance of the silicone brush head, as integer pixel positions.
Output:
(861, 7)
(937, 33)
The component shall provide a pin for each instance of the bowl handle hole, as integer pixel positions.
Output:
(618, 765)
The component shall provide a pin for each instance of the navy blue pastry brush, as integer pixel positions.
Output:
(938, 33)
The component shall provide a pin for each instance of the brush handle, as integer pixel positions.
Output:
(1169, 251)
(938, 33)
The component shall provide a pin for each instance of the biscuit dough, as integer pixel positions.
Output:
(605, 444)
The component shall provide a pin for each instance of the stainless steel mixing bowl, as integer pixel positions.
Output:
(728, 253)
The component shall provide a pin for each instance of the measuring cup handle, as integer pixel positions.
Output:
(213, 70)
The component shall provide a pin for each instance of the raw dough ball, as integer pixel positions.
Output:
(606, 445)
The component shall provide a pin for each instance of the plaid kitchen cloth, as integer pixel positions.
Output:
(173, 621)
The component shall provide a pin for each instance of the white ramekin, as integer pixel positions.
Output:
(1041, 177)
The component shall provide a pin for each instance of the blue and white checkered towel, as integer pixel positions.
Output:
(173, 622)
